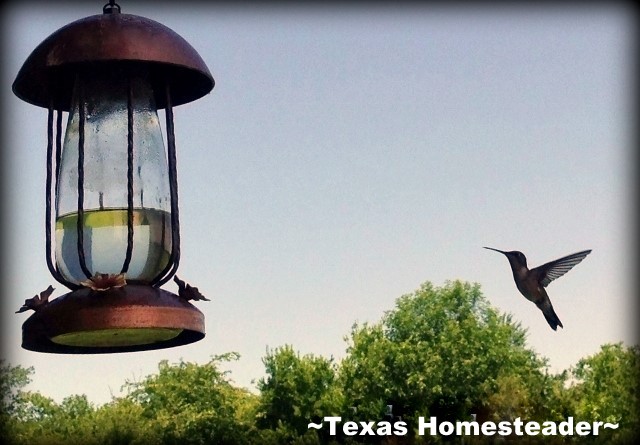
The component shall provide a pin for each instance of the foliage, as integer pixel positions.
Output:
(43, 421)
(296, 390)
(441, 352)
(12, 380)
(608, 390)
(194, 404)
(183, 403)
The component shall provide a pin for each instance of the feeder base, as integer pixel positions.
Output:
(130, 318)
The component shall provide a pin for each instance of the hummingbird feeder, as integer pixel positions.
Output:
(115, 239)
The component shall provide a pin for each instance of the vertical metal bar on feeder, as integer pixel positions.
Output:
(49, 190)
(174, 258)
(127, 259)
(80, 222)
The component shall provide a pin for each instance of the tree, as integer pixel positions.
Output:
(608, 389)
(12, 380)
(440, 352)
(188, 403)
(38, 419)
(120, 422)
(295, 391)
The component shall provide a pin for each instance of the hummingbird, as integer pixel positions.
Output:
(531, 283)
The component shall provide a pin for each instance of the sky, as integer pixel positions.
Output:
(348, 154)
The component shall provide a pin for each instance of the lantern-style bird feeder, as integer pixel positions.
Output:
(115, 239)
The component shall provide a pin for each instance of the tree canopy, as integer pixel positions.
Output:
(440, 351)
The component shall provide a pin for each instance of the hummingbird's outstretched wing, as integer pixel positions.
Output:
(555, 269)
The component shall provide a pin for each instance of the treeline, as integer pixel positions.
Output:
(441, 351)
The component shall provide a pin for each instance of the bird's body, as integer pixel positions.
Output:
(532, 283)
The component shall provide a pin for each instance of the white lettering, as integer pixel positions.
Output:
(466, 427)
(566, 428)
(384, 429)
(431, 426)
(350, 428)
(505, 428)
(332, 424)
(582, 428)
(446, 428)
(367, 428)
(400, 428)
(549, 429)
(488, 428)
(596, 425)
(518, 424)
(532, 428)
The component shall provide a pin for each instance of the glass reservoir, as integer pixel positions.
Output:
(105, 173)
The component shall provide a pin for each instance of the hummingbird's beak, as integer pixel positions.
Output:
(497, 250)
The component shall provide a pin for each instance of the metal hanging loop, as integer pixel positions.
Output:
(111, 7)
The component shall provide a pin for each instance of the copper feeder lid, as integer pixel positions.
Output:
(125, 319)
(114, 39)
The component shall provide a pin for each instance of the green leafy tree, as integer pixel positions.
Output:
(121, 422)
(441, 352)
(296, 390)
(182, 403)
(189, 403)
(40, 420)
(12, 381)
(607, 389)
(27, 417)
(536, 396)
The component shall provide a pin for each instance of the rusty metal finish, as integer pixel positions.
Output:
(112, 39)
(55, 273)
(174, 257)
(129, 307)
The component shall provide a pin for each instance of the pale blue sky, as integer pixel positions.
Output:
(350, 153)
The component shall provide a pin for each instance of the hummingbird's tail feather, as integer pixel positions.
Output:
(550, 315)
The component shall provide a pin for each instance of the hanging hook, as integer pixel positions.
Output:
(111, 7)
